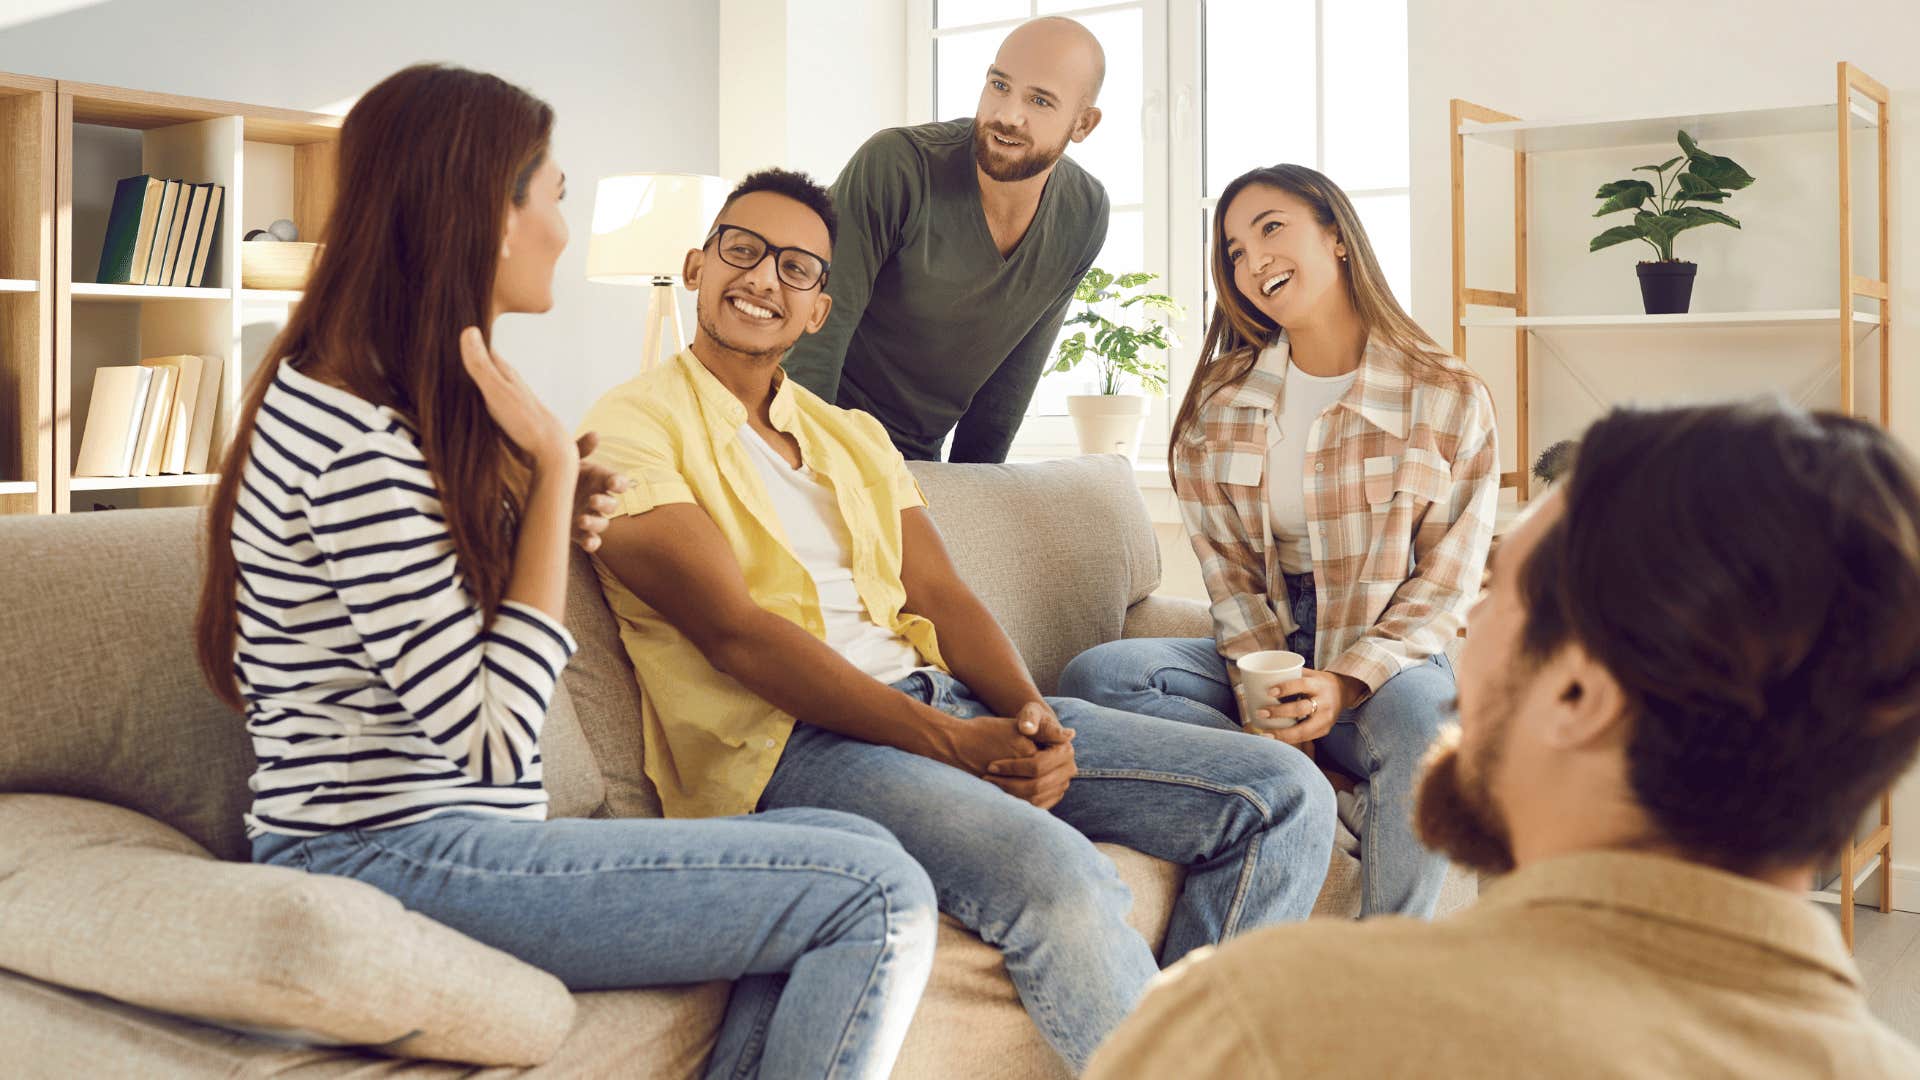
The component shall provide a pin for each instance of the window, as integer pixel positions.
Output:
(1197, 92)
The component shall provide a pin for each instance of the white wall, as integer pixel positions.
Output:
(1543, 61)
(804, 82)
(630, 80)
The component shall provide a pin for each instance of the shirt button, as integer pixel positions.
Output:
(769, 744)
(1319, 466)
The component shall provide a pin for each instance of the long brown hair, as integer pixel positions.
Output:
(1238, 331)
(429, 161)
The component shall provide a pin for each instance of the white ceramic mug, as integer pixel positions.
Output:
(1260, 672)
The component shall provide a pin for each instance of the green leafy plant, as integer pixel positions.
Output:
(1122, 348)
(1670, 209)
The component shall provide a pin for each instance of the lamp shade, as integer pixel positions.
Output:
(645, 223)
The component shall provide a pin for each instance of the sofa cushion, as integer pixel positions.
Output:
(104, 694)
(663, 1034)
(102, 899)
(605, 695)
(1058, 550)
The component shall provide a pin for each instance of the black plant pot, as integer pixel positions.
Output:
(1666, 288)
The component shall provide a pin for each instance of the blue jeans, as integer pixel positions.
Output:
(824, 923)
(1251, 820)
(1384, 741)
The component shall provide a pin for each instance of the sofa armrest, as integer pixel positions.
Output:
(105, 900)
(1169, 617)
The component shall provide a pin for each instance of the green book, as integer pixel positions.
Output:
(136, 206)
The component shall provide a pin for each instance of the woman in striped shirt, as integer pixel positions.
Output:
(384, 599)
(1337, 471)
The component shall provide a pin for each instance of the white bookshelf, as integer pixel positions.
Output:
(138, 294)
(1857, 118)
(270, 296)
(272, 163)
(142, 483)
(1618, 132)
(19, 285)
(1864, 322)
(19, 487)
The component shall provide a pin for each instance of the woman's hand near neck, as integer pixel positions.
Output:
(1333, 342)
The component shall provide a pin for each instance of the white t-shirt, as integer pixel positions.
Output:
(819, 536)
(1289, 429)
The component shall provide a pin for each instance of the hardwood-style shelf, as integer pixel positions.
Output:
(45, 185)
(28, 247)
(1822, 318)
(270, 296)
(134, 294)
(137, 483)
(1859, 102)
(1616, 132)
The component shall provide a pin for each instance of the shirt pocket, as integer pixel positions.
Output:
(1240, 463)
(1399, 495)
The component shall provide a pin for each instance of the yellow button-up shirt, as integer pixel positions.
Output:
(711, 743)
(1605, 964)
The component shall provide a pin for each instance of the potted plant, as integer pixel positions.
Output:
(1666, 285)
(1126, 351)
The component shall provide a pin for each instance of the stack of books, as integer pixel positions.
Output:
(151, 419)
(160, 232)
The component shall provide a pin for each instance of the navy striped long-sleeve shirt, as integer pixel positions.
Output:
(376, 693)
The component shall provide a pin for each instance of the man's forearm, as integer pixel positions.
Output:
(979, 652)
(803, 677)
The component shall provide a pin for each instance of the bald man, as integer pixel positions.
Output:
(960, 246)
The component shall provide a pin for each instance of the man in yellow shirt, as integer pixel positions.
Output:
(803, 640)
(1690, 673)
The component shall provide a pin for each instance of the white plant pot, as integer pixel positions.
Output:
(1109, 423)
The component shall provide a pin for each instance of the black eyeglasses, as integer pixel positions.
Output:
(746, 249)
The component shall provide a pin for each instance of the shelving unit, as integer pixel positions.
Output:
(142, 483)
(1823, 319)
(1860, 105)
(68, 144)
(26, 293)
(136, 294)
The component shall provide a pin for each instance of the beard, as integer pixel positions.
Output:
(1454, 812)
(1025, 167)
(710, 325)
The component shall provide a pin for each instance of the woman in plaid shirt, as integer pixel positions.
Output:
(1337, 472)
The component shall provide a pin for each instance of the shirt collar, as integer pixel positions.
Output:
(725, 410)
(1689, 894)
(1381, 394)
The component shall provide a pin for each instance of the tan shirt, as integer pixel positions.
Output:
(1594, 965)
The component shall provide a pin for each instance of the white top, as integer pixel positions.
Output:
(818, 536)
(1289, 432)
(377, 695)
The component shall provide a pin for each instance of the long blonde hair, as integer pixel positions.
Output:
(1238, 331)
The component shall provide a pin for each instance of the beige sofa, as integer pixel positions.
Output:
(103, 705)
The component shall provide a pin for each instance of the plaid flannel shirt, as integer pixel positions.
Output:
(1401, 480)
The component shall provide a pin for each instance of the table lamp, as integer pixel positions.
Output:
(643, 226)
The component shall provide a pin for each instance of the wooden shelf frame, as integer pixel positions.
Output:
(1469, 120)
(1859, 860)
(194, 138)
(27, 262)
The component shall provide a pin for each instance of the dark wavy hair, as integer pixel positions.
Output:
(429, 161)
(1750, 575)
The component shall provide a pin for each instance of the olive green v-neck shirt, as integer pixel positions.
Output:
(932, 330)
